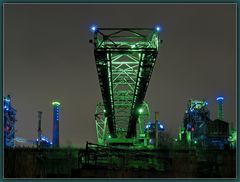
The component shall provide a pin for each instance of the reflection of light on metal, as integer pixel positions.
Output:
(220, 98)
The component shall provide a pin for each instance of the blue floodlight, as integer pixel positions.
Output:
(7, 100)
(161, 126)
(220, 98)
(93, 28)
(148, 126)
(206, 103)
(158, 28)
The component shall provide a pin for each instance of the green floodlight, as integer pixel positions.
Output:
(109, 136)
(55, 103)
(140, 110)
(195, 142)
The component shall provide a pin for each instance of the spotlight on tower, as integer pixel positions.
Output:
(140, 110)
(55, 103)
(93, 28)
(158, 28)
(220, 98)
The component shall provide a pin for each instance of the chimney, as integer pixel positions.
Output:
(39, 129)
(55, 139)
(220, 114)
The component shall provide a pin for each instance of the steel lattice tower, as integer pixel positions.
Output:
(124, 58)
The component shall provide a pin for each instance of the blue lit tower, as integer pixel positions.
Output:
(55, 140)
(220, 107)
(9, 122)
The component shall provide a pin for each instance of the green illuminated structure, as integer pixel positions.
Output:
(233, 137)
(181, 132)
(189, 137)
(124, 58)
(56, 103)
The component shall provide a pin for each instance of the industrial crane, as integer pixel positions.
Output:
(125, 59)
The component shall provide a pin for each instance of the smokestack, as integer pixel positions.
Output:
(156, 128)
(39, 129)
(220, 114)
(55, 139)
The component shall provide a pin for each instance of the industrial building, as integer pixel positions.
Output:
(217, 134)
(9, 122)
(199, 129)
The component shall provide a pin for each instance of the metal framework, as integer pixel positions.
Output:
(195, 120)
(101, 122)
(124, 58)
(9, 123)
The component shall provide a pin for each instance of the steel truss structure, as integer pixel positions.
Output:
(9, 123)
(101, 122)
(124, 58)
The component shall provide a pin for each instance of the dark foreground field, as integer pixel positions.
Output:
(81, 163)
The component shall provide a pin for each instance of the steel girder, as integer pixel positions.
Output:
(124, 58)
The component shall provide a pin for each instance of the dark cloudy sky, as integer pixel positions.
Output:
(47, 56)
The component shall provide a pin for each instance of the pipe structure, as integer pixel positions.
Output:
(156, 128)
(39, 129)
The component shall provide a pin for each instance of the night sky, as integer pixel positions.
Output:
(47, 56)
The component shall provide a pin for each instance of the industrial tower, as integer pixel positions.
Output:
(9, 122)
(55, 139)
(125, 59)
(196, 118)
(220, 114)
